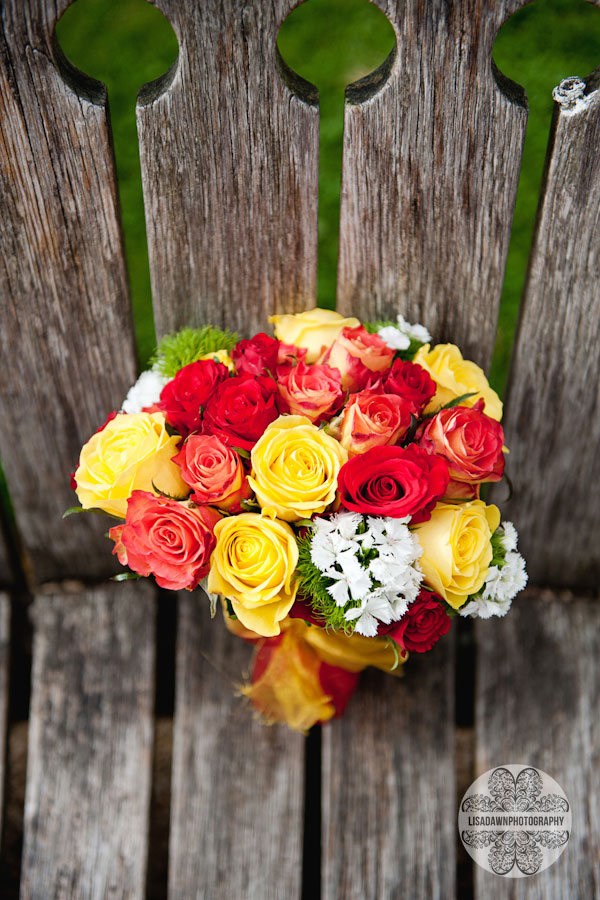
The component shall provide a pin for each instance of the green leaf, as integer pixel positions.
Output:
(126, 576)
(451, 404)
(74, 510)
(457, 400)
(241, 452)
(410, 434)
(230, 611)
(392, 644)
(304, 523)
(168, 496)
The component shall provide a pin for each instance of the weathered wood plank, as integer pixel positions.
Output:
(7, 573)
(4, 663)
(538, 692)
(237, 785)
(432, 149)
(65, 321)
(90, 744)
(553, 402)
(389, 806)
(229, 155)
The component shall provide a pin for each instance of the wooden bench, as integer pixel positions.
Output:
(229, 153)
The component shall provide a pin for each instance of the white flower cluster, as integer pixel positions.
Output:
(502, 583)
(144, 392)
(399, 336)
(383, 582)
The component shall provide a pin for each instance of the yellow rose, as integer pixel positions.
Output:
(455, 376)
(128, 454)
(457, 549)
(295, 467)
(315, 329)
(221, 356)
(253, 566)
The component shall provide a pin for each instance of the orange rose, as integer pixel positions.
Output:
(214, 471)
(374, 419)
(359, 356)
(470, 441)
(169, 539)
(311, 391)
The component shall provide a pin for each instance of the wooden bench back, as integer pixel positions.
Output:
(229, 153)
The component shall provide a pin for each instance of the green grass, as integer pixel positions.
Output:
(331, 43)
(538, 47)
(124, 43)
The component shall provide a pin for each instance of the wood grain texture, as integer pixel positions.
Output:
(90, 744)
(553, 400)
(432, 149)
(229, 155)
(389, 806)
(538, 691)
(237, 785)
(4, 664)
(65, 322)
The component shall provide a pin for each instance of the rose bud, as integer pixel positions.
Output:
(256, 356)
(183, 398)
(361, 357)
(169, 539)
(311, 391)
(410, 381)
(241, 408)
(393, 481)
(374, 419)
(214, 471)
(470, 442)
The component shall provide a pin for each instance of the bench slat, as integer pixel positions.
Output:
(65, 322)
(538, 694)
(389, 806)
(237, 785)
(552, 419)
(229, 154)
(4, 664)
(90, 744)
(430, 171)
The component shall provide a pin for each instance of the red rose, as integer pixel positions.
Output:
(241, 408)
(424, 623)
(410, 381)
(393, 481)
(214, 472)
(469, 441)
(373, 419)
(168, 539)
(311, 391)
(183, 398)
(256, 356)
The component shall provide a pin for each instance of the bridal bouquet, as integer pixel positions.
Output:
(324, 485)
